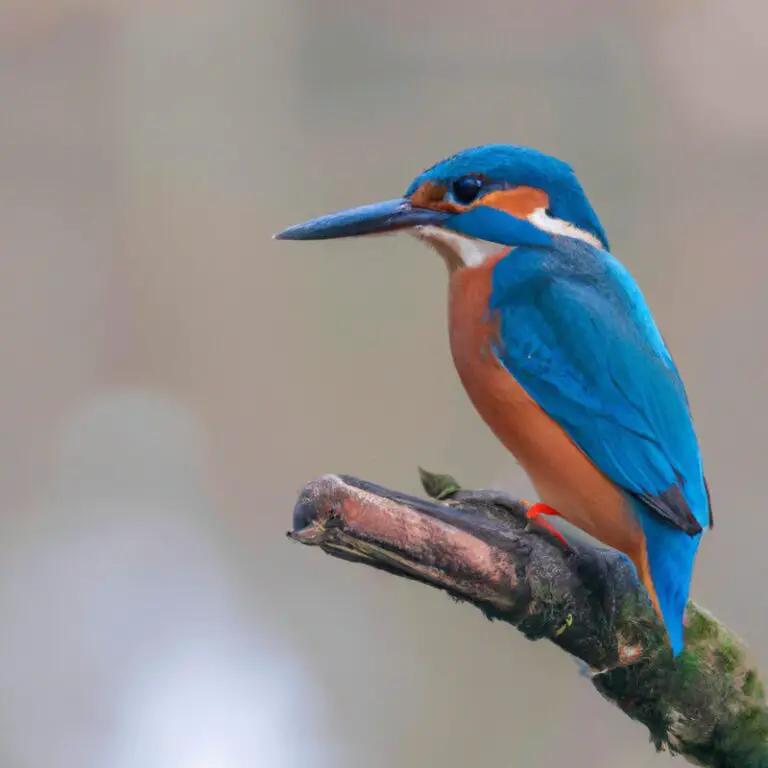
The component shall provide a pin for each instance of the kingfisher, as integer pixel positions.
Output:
(560, 355)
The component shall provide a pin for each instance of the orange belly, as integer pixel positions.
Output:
(563, 476)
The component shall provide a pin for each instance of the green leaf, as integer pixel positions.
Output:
(438, 486)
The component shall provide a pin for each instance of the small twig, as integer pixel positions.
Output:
(708, 704)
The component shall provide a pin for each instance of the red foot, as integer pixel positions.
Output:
(534, 513)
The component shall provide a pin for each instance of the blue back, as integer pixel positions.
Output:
(577, 334)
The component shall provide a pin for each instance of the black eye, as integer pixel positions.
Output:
(466, 189)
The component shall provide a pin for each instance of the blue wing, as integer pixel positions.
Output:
(576, 333)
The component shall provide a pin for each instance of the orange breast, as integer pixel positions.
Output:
(562, 475)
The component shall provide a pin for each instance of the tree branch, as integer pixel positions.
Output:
(708, 704)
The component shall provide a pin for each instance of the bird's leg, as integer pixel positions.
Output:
(534, 513)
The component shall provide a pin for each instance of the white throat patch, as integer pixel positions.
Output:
(470, 252)
(473, 253)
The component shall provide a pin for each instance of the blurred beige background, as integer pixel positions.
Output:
(171, 376)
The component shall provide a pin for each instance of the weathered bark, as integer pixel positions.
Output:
(708, 704)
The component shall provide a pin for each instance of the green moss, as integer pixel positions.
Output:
(700, 626)
(728, 654)
(638, 622)
(753, 686)
(748, 738)
(688, 664)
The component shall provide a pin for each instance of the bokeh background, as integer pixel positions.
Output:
(171, 376)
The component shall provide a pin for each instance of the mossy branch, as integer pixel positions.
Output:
(707, 705)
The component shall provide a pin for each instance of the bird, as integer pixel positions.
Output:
(558, 351)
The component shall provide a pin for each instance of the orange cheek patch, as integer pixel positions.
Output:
(520, 201)
(430, 195)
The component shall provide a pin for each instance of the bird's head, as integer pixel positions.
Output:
(473, 202)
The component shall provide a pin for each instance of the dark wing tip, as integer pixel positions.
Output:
(671, 506)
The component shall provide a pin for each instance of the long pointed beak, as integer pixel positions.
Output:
(365, 220)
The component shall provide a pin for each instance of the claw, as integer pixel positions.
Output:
(534, 513)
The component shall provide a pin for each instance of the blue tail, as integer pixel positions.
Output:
(671, 553)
